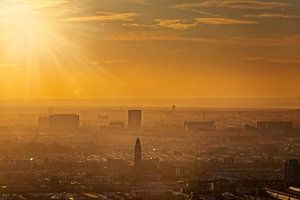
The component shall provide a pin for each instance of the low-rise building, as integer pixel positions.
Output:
(195, 126)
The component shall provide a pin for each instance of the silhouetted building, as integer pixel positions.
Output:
(199, 126)
(134, 120)
(137, 153)
(64, 122)
(292, 172)
(275, 127)
(43, 122)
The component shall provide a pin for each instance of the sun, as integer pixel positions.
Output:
(25, 32)
(34, 42)
(40, 53)
(35, 36)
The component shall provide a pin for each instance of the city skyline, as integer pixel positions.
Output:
(149, 99)
(68, 49)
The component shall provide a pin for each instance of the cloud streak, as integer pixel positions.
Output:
(272, 15)
(223, 21)
(104, 17)
(183, 24)
(278, 59)
(233, 4)
(175, 24)
(141, 2)
(271, 41)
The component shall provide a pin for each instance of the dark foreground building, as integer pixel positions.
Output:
(292, 172)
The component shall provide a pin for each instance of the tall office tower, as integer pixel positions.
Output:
(292, 172)
(137, 153)
(134, 120)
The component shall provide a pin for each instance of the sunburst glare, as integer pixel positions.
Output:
(35, 39)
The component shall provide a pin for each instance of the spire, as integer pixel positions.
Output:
(138, 142)
(137, 152)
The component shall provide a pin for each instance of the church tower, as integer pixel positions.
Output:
(137, 153)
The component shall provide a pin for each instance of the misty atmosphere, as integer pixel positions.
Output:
(149, 100)
(94, 152)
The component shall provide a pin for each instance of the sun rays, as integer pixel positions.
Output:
(148, 49)
(37, 41)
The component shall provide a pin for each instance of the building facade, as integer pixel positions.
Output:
(292, 172)
(135, 120)
(275, 127)
(199, 126)
(64, 122)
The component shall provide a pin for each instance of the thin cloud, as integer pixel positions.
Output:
(107, 62)
(157, 36)
(223, 21)
(280, 59)
(193, 9)
(176, 37)
(175, 24)
(105, 16)
(141, 2)
(183, 25)
(291, 40)
(272, 15)
(137, 25)
(233, 4)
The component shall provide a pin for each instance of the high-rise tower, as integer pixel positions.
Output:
(134, 120)
(137, 153)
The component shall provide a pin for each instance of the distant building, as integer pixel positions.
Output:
(116, 163)
(137, 153)
(102, 120)
(117, 125)
(16, 164)
(43, 122)
(275, 127)
(199, 126)
(64, 122)
(50, 111)
(292, 172)
(134, 120)
(249, 127)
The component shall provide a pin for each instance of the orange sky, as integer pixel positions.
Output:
(53, 49)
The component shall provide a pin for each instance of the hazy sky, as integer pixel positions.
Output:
(149, 48)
